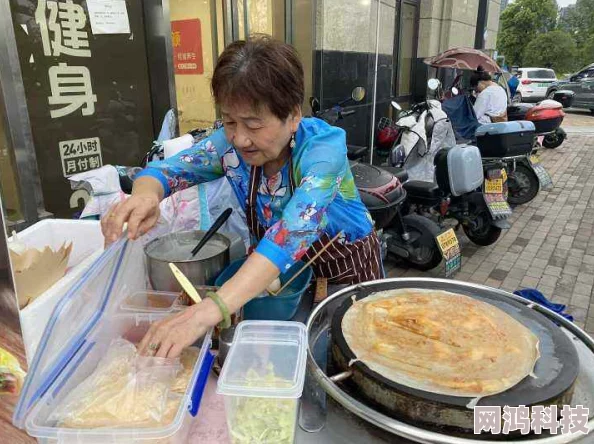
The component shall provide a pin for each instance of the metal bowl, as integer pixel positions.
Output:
(176, 248)
(319, 326)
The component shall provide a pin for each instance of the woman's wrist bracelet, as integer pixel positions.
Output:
(226, 322)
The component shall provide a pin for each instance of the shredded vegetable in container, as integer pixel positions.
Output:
(263, 420)
(12, 375)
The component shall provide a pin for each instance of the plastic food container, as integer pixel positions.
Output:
(262, 381)
(273, 308)
(79, 332)
(87, 246)
(148, 301)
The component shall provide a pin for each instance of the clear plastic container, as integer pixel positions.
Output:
(262, 381)
(149, 301)
(132, 328)
(87, 246)
(80, 330)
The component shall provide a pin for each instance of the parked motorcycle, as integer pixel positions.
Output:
(410, 237)
(459, 174)
(521, 168)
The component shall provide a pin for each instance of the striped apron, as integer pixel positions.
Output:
(348, 263)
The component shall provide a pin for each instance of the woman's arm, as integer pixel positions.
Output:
(198, 164)
(322, 166)
(170, 336)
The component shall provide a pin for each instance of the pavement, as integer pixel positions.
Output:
(550, 245)
(578, 121)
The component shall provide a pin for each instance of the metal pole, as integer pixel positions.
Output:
(289, 21)
(234, 20)
(373, 104)
(228, 21)
(246, 19)
(214, 31)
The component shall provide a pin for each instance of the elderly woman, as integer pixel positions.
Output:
(291, 174)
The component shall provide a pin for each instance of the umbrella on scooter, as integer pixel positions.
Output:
(463, 58)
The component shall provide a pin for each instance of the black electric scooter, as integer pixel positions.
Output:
(408, 237)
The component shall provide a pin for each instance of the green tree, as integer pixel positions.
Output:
(520, 22)
(578, 21)
(555, 49)
(586, 52)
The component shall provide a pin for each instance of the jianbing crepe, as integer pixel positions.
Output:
(440, 342)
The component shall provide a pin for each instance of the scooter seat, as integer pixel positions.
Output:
(422, 189)
(400, 173)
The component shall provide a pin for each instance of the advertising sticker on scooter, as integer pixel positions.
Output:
(546, 182)
(493, 191)
(450, 249)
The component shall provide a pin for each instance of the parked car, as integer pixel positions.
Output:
(534, 83)
(582, 84)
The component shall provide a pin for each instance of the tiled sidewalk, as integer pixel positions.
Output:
(551, 243)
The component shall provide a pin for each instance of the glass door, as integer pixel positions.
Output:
(260, 17)
(200, 30)
(197, 38)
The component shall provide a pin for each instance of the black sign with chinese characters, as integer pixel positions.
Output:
(88, 95)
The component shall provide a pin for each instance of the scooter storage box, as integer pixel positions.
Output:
(505, 139)
(459, 169)
(564, 97)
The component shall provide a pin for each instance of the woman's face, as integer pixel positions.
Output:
(258, 135)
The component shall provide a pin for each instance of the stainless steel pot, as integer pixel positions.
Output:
(176, 248)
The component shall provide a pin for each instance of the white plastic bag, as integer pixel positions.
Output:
(125, 390)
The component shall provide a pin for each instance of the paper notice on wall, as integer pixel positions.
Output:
(108, 16)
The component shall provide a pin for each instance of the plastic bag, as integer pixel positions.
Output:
(125, 390)
(12, 375)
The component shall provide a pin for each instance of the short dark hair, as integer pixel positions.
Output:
(479, 75)
(260, 72)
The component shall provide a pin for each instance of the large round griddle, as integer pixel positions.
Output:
(556, 370)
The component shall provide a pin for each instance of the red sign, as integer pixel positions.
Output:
(186, 37)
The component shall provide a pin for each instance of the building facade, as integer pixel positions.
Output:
(159, 55)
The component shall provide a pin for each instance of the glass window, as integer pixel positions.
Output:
(407, 48)
(541, 74)
(192, 27)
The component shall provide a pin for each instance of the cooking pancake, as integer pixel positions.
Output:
(440, 342)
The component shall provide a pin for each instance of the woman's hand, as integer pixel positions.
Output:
(167, 338)
(140, 211)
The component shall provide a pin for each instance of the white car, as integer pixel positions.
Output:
(534, 83)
